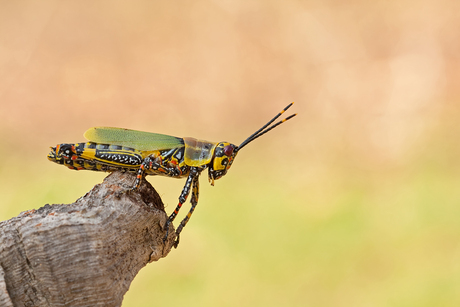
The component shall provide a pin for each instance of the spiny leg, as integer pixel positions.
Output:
(151, 163)
(145, 165)
(194, 173)
(194, 201)
(141, 174)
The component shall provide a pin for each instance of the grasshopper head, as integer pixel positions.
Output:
(223, 157)
(225, 153)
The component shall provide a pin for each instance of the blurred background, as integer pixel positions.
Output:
(354, 202)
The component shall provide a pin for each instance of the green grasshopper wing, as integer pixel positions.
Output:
(140, 140)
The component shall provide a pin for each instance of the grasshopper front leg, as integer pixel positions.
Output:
(192, 181)
(194, 202)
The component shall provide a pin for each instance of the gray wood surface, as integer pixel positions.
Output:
(86, 253)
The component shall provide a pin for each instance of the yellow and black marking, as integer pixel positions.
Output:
(144, 153)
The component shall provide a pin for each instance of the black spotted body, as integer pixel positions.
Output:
(109, 158)
(144, 153)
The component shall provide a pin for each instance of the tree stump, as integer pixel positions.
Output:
(85, 253)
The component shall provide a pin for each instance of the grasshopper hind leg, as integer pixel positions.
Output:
(150, 163)
(140, 175)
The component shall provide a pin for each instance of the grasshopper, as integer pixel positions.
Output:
(145, 153)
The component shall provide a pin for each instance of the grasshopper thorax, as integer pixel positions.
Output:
(222, 159)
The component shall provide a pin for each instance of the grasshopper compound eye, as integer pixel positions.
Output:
(228, 150)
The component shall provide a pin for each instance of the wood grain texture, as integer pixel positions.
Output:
(86, 253)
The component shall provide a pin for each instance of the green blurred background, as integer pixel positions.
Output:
(355, 202)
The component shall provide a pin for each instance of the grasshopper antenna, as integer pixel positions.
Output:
(261, 131)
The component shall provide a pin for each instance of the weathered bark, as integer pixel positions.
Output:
(85, 253)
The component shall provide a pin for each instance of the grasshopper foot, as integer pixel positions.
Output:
(165, 238)
(176, 242)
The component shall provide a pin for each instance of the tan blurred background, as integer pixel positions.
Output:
(355, 202)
